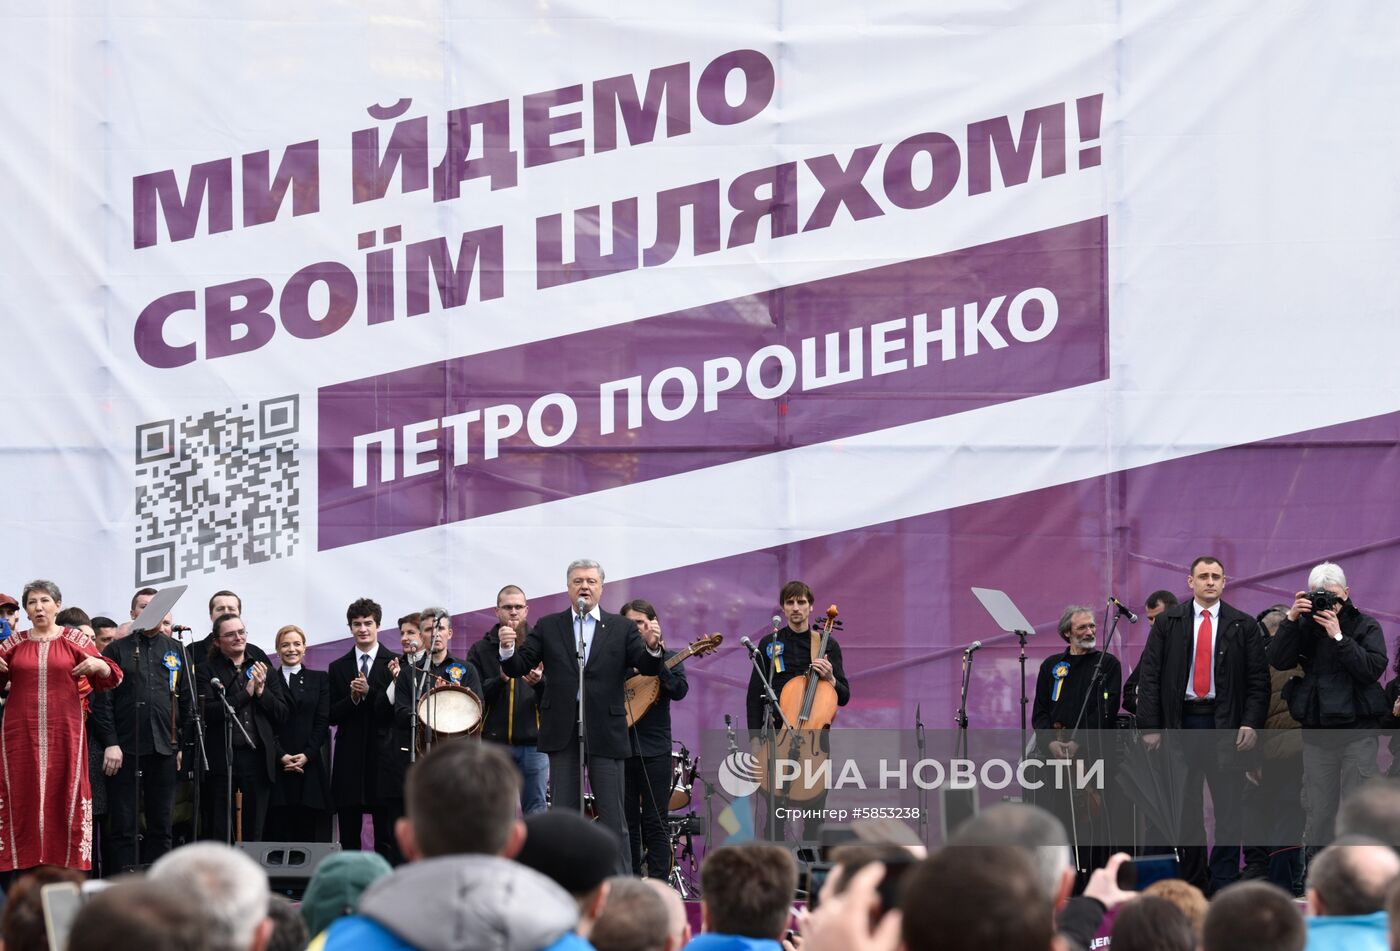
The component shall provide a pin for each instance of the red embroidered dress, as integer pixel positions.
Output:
(45, 799)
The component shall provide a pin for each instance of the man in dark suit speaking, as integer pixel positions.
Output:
(1204, 669)
(612, 646)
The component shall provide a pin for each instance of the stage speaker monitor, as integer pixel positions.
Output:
(289, 865)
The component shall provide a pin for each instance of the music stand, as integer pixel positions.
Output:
(158, 607)
(1009, 618)
(150, 619)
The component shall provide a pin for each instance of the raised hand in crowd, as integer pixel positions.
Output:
(842, 922)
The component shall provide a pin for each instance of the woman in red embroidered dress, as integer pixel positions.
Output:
(45, 801)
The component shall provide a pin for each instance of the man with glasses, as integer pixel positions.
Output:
(513, 703)
(259, 703)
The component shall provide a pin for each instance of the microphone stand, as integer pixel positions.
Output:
(923, 788)
(141, 709)
(416, 678)
(230, 720)
(1022, 635)
(202, 764)
(769, 739)
(1095, 682)
(961, 718)
(582, 721)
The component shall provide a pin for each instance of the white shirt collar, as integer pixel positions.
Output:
(593, 613)
(371, 653)
(291, 670)
(1213, 610)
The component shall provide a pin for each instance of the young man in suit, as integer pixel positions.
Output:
(612, 646)
(1204, 669)
(357, 683)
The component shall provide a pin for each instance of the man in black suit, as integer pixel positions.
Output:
(357, 684)
(612, 646)
(141, 733)
(1204, 669)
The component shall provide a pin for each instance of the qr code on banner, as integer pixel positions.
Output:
(217, 491)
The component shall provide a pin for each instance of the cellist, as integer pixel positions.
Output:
(787, 654)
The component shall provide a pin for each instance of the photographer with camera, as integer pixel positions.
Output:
(1338, 700)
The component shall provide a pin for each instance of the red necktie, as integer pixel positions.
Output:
(1202, 676)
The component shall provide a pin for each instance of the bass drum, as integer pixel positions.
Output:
(682, 779)
(445, 712)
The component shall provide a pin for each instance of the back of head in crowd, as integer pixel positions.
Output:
(1147, 923)
(288, 928)
(577, 854)
(1253, 916)
(633, 919)
(1028, 827)
(461, 799)
(1190, 899)
(139, 915)
(1352, 876)
(977, 897)
(1373, 811)
(747, 890)
(232, 892)
(22, 924)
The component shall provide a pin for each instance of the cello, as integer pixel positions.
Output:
(809, 705)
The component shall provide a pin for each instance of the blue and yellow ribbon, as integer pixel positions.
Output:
(171, 660)
(1060, 672)
(775, 654)
(455, 672)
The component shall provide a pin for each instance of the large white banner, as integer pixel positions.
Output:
(416, 300)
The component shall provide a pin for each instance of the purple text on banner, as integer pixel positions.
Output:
(713, 384)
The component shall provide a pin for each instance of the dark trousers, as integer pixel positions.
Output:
(392, 809)
(607, 782)
(157, 801)
(297, 824)
(1273, 823)
(648, 793)
(1210, 761)
(350, 822)
(250, 779)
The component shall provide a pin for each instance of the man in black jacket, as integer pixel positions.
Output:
(1339, 699)
(649, 769)
(357, 683)
(1204, 669)
(612, 645)
(260, 705)
(140, 732)
(513, 703)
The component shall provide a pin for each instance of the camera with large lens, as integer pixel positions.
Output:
(1323, 600)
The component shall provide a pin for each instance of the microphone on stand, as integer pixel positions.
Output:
(972, 648)
(582, 605)
(178, 629)
(217, 683)
(1123, 610)
(777, 623)
(748, 645)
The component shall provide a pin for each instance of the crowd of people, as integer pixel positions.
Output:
(479, 874)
